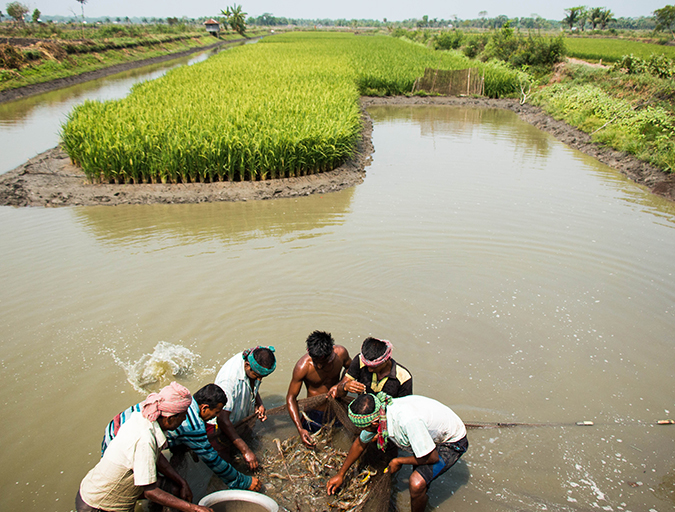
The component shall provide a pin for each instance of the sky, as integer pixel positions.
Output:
(396, 10)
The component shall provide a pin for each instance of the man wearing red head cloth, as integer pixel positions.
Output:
(128, 469)
(374, 370)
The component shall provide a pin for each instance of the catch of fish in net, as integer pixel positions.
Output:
(295, 476)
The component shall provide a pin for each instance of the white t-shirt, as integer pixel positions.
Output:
(417, 424)
(129, 462)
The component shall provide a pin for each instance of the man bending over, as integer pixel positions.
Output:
(429, 430)
(206, 404)
(320, 369)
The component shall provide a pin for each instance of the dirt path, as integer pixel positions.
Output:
(50, 179)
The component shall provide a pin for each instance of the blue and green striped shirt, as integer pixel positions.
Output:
(191, 433)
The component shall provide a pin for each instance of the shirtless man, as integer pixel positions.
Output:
(320, 370)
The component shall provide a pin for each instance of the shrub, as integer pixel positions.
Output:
(450, 40)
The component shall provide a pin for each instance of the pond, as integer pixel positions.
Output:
(519, 281)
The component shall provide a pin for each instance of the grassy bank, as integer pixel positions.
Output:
(37, 55)
(634, 113)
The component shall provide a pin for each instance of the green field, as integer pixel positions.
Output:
(611, 50)
(286, 106)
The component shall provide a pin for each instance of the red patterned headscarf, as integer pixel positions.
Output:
(382, 359)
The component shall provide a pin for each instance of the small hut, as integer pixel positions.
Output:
(212, 27)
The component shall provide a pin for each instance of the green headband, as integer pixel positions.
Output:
(363, 420)
(255, 366)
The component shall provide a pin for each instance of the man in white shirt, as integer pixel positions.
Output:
(128, 469)
(431, 431)
(240, 378)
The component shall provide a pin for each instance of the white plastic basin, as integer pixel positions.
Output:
(239, 501)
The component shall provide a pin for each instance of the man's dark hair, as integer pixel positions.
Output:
(363, 404)
(320, 344)
(372, 348)
(211, 395)
(264, 357)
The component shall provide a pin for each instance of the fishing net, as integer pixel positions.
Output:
(296, 476)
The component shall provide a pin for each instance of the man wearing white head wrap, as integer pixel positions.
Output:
(128, 469)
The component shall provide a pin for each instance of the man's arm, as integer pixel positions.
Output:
(260, 408)
(294, 388)
(154, 493)
(198, 441)
(168, 471)
(396, 463)
(358, 447)
(225, 425)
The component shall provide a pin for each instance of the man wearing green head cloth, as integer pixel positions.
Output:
(240, 378)
(429, 430)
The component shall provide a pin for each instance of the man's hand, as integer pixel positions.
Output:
(334, 483)
(250, 459)
(307, 438)
(185, 493)
(355, 387)
(199, 508)
(256, 485)
(333, 392)
(394, 465)
(261, 412)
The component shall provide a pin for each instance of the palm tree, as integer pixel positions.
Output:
(574, 15)
(594, 16)
(235, 18)
(606, 17)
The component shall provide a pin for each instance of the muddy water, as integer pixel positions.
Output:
(519, 281)
(30, 126)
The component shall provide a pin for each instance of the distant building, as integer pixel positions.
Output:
(212, 27)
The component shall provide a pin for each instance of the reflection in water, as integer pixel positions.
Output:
(227, 222)
(516, 283)
(450, 121)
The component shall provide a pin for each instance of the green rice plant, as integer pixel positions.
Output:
(613, 50)
(287, 106)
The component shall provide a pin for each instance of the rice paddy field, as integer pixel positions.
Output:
(611, 50)
(287, 106)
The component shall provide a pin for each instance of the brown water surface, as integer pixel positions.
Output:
(518, 280)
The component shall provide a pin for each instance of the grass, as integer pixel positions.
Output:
(631, 113)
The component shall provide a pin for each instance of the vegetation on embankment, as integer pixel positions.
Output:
(51, 53)
(629, 107)
(634, 113)
(286, 106)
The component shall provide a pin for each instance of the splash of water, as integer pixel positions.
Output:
(151, 371)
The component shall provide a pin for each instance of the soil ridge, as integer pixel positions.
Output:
(49, 179)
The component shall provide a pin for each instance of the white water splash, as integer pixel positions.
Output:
(152, 370)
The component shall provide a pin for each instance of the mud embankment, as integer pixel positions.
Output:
(50, 179)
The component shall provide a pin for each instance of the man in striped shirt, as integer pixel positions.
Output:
(206, 404)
